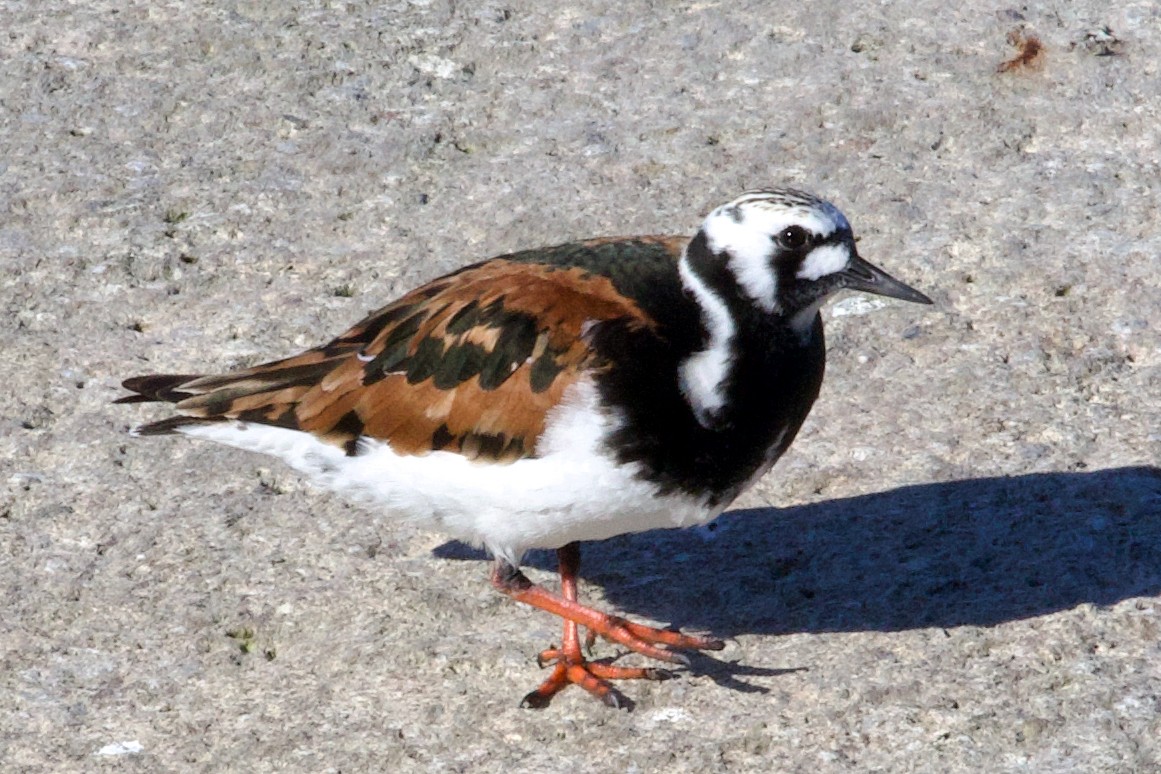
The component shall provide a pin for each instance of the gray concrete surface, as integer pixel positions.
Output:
(956, 569)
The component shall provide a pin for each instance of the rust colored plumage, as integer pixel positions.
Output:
(471, 363)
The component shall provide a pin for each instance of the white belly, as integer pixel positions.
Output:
(571, 491)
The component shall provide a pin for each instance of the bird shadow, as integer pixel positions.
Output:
(975, 552)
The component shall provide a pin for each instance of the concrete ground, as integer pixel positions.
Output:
(957, 567)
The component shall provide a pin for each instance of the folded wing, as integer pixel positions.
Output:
(471, 363)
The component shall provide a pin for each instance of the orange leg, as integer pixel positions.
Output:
(569, 665)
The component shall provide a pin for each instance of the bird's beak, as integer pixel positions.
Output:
(867, 277)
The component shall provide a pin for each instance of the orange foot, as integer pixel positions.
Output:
(569, 665)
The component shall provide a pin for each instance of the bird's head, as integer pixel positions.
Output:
(784, 252)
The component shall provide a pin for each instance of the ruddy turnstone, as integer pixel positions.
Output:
(569, 393)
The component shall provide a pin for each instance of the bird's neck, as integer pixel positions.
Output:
(704, 374)
(737, 337)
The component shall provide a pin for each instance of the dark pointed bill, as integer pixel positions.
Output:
(867, 277)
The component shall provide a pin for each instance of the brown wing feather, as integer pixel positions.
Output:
(471, 363)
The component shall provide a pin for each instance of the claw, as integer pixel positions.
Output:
(654, 673)
(535, 701)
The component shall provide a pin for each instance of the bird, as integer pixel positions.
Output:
(560, 395)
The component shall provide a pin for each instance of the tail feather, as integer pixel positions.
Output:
(171, 425)
(216, 395)
(267, 393)
(164, 388)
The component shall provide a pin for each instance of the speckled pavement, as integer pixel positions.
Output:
(957, 567)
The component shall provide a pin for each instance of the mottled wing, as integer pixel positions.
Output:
(472, 363)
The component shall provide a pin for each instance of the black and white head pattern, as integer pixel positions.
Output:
(766, 235)
(770, 249)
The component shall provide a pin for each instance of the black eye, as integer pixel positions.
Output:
(793, 237)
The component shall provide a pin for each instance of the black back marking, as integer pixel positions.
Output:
(465, 319)
(394, 351)
(427, 358)
(441, 437)
(460, 363)
(544, 371)
(517, 339)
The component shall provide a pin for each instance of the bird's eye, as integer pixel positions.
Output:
(793, 237)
